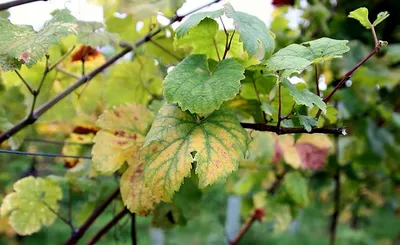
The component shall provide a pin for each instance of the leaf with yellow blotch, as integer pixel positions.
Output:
(177, 139)
(28, 207)
(136, 196)
(123, 130)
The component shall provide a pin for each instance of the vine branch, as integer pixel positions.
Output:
(7, 5)
(87, 77)
(258, 214)
(287, 130)
(335, 215)
(133, 230)
(316, 79)
(108, 226)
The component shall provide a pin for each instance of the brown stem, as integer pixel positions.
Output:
(279, 178)
(316, 79)
(284, 130)
(24, 82)
(374, 35)
(278, 125)
(7, 5)
(108, 226)
(87, 77)
(133, 230)
(95, 214)
(257, 215)
(216, 50)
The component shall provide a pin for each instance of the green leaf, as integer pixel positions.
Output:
(305, 97)
(137, 197)
(293, 58)
(361, 14)
(325, 49)
(123, 130)
(177, 139)
(4, 14)
(22, 45)
(27, 207)
(14, 141)
(381, 17)
(296, 186)
(93, 34)
(133, 82)
(194, 20)
(308, 122)
(256, 37)
(194, 87)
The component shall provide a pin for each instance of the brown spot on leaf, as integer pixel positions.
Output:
(85, 129)
(121, 143)
(135, 118)
(154, 148)
(119, 133)
(117, 113)
(25, 56)
(71, 162)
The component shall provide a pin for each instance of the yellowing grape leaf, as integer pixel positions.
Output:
(177, 139)
(194, 87)
(123, 130)
(76, 145)
(136, 196)
(22, 45)
(27, 207)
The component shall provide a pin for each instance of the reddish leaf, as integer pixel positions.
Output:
(85, 53)
(278, 3)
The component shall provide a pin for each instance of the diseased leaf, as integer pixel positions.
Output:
(296, 186)
(308, 122)
(22, 45)
(177, 139)
(325, 49)
(27, 207)
(381, 17)
(361, 14)
(93, 34)
(137, 197)
(305, 97)
(123, 130)
(194, 87)
(256, 37)
(194, 20)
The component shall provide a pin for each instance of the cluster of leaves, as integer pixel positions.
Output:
(166, 122)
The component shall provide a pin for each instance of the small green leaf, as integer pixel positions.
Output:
(123, 132)
(324, 49)
(308, 122)
(361, 14)
(93, 34)
(296, 186)
(22, 45)
(256, 37)
(305, 97)
(381, 17)
(268, 108)
(27, 207)
(194, 20)
(177, 140)
(194, 87)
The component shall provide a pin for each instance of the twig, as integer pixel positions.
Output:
(374, 35)
(316, 79)
(87, 77)
(278, 125)
(349, 73)
(25, 82)
(42, 154)
(284, 130)
(62, 58)
(67, 222)
(216, 50)
(108, 226)
(133, 230)
(68, 73)
(95, 214)
(165, 50)
(271, 190)
(335, 215)
(4, 6)
(257, 215)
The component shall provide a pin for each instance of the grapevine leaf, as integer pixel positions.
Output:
(381, 17)
(28, 207)
(256, 37)
(76, 145)
(177, 139)
(93, 34)
(308, 122)
(293, 58)
(135, 195)
(296, 186)
(123, 131)
(194, 87)
(305, 97)
(194, 20)
(133, 82)
(361, 14)
(324, 49)
(22, 45)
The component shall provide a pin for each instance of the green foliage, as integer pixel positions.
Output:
(194, 20)
(93, 34)
(361, 14)
(296, 187)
